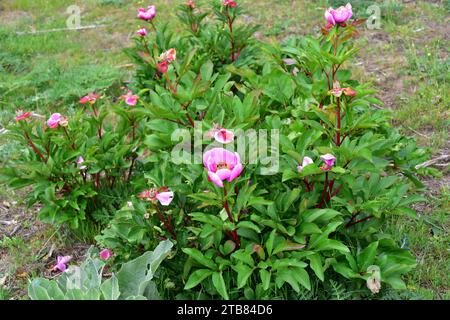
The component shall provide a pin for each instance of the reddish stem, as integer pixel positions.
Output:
(167, 225)
(348, 225)
(233, 233)
(36, 150)
(338, 133)
(324, 192)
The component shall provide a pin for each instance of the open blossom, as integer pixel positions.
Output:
(163, 195)
(229, 3)
(224, 136)
(90, 98)
(329, 160)
(142, 32)
(339, 15)
(23, 116)
(61, 263)
(130, 98)
(105, 254)
(147, 14)
(306, 161)
(222, 165)
(289, 61)
(54, 120)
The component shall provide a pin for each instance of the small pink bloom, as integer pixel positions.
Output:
(142, 32)
(61, 263)
(224, 136)
(191, 4)
(306, 161)
(147, 14)
(90, 98)
(80, 161)
(163, 66)
(163, 195)
(165, 198)
(289, 61)
(229, 3)
(54, 120)
(23, 116)
(339, 15)
(222, 165)
(329, 160)
(105, 254)
(130, 98)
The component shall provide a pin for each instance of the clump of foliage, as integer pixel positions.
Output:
(302, 203)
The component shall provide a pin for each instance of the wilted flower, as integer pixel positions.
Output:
(90, 98)
(374, 280)
(105, 254)
(163, 195)
(61, 263)
(337, 92)
(170, 55)
(224, 136)
(147, 14)
(23, 116)
(142, 32)
(339, 15)
(229, 3)
(306, 161)
(54, 120)
(130, 98)
(329, 160)
(222, 165)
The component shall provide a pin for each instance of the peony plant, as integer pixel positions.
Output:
(286, 185)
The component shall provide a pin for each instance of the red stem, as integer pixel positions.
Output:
(234, 234)
(27, 137)
(167, 225)
(324, 192)
(348, 225)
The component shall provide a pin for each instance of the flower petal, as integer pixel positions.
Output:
(215, 179)
(165, 198)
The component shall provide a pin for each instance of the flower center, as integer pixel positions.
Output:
(222, 165)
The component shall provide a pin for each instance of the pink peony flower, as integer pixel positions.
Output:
(229, 3)
(105, 254)
(329, 160)
(163, 195)
(147, 14)
(339, 15)
(224, 136)
(222, 165)
(191, 4)
(54, 120)
(306, 161)
(23, 116)
(90, 98)
(61, 263)
(142, 32)
(163, 66)
(130, 98)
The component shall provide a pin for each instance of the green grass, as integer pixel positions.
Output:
(49, 72)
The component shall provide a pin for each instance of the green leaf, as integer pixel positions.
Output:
(197, 277)
(329, 244)
(366, 257)
(265, 278)
(135, 275)
(315, 262)
(110, 288)
(244, 272)
(219, 284)
(200, 258)
(302, 277)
